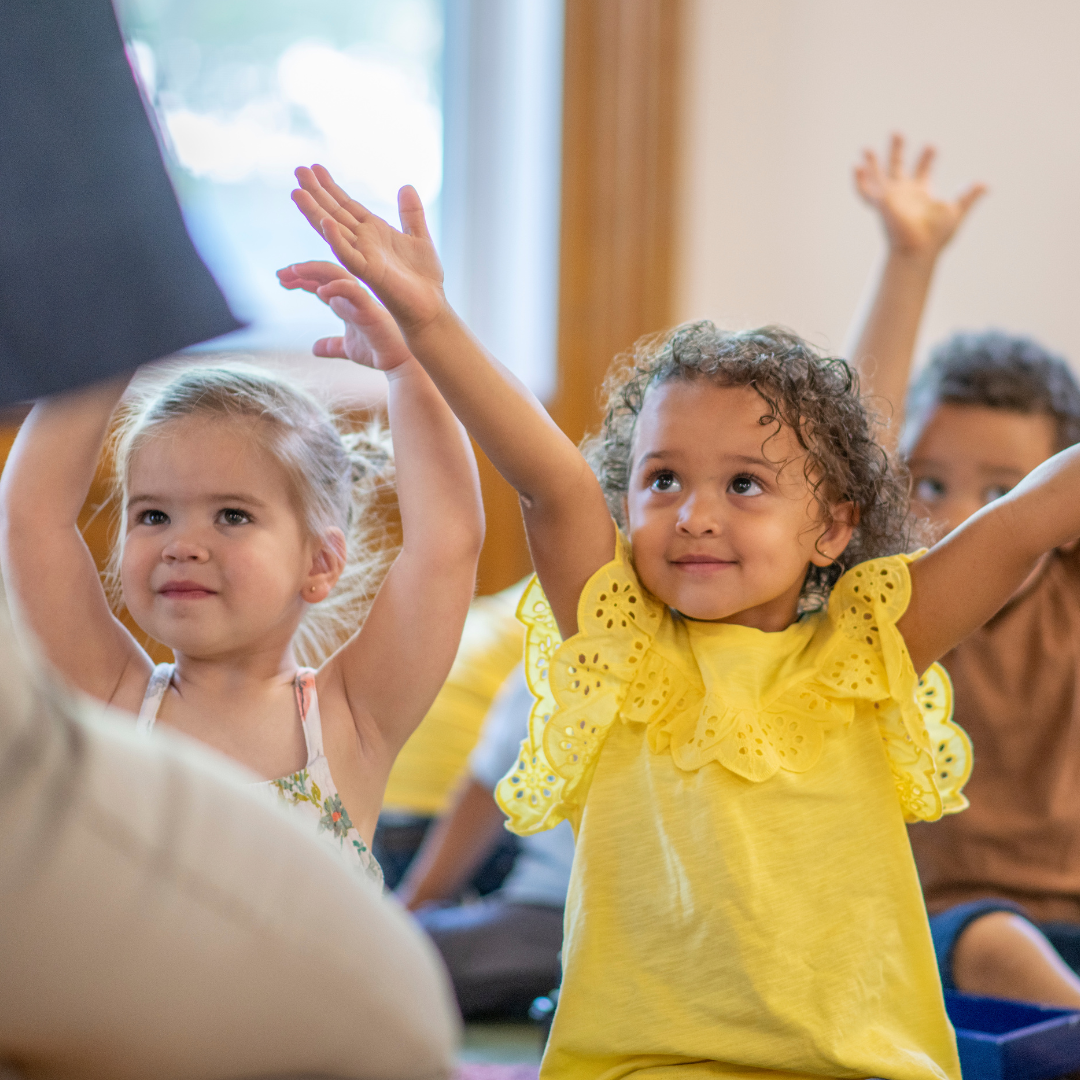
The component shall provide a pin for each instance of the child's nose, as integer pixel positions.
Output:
(700, 515)
(184, 549)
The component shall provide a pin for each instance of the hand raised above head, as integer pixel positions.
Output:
(401, 267)
(916, 221)
(371, 336)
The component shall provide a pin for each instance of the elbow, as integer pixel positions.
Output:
(459, 542)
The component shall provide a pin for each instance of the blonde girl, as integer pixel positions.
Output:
(743, 900)
(238, 495)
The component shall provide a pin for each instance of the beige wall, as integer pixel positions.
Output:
(780, 95)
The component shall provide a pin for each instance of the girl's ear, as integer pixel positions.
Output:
(327, 565)
(831, 543)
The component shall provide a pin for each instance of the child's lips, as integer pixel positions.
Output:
(701, 564)
(184, 590)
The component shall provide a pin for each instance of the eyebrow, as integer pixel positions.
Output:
(225, 498)
(746, 459)
(935, 463)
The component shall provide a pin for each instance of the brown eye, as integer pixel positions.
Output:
(665, 482)
(745, 485)
(153, 517)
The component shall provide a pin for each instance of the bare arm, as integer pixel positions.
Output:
(963, 580)
(392, 669)
(48, 569)
(917, 227)
(456, 845)
(570, 531)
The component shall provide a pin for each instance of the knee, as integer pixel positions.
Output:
(990, 943)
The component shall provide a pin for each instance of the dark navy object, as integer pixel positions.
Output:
(1011, 1040)
(97, 273)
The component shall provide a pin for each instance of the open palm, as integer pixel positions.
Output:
(371, 336)
(400, 267)
(915, 220)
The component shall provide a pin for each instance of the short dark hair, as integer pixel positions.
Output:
(997, 371)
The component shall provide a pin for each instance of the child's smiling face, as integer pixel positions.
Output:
(722, 520)
(968, 455)
(214, 558)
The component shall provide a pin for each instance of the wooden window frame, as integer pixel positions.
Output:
(621, 79)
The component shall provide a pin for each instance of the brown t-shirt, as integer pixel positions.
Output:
(1017, 683)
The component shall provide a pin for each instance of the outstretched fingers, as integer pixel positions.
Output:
(970, 197)
(356, 210)
(343, 244)
(309, 276)
(868, 177)
(313, 211)
(896, 157)
(925, 163)
(411, 213)
(328, 205)
(332, 347)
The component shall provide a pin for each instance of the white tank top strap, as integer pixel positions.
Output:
(307, 701)
(155, 692)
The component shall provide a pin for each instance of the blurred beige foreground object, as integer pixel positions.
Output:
(159, 920)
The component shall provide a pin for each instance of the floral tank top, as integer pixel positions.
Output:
(311, 791)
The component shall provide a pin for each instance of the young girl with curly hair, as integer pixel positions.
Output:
(743, 900)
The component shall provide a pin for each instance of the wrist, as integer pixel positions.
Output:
(921, 260)
(434, 327)
(402, 368)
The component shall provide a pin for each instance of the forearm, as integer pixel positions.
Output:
(967, 577)
(570, 531)
(442, 514)
(454, 848)
(53, 459)
(509, 424)
(882, 340)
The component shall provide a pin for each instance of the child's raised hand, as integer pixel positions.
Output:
(916, 222)
(371, 336)
(401, 268)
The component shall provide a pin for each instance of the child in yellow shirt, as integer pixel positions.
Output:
(743, 900)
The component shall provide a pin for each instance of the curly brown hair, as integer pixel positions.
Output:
(817, 397)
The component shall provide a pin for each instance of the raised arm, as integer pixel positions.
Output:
(392, 669)
(570, 531)
(963, 580)
(917, 227)
(49, 572)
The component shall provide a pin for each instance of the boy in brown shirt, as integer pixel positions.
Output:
(1002, 879)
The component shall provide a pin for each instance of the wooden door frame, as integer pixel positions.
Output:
(621, 75)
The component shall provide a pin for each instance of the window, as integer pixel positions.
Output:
(244, 92)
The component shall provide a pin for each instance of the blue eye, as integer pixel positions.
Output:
(745, 485)
(665, 483)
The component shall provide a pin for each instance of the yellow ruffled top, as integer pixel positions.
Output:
(744, 896)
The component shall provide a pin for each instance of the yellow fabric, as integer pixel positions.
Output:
(743, 900)
(433, 760)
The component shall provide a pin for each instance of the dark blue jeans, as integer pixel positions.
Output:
(946, 928)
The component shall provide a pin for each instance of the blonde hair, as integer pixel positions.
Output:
(336, 478)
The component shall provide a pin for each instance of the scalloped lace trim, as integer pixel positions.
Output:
(611, 669)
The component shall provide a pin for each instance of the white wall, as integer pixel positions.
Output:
(781, 95)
